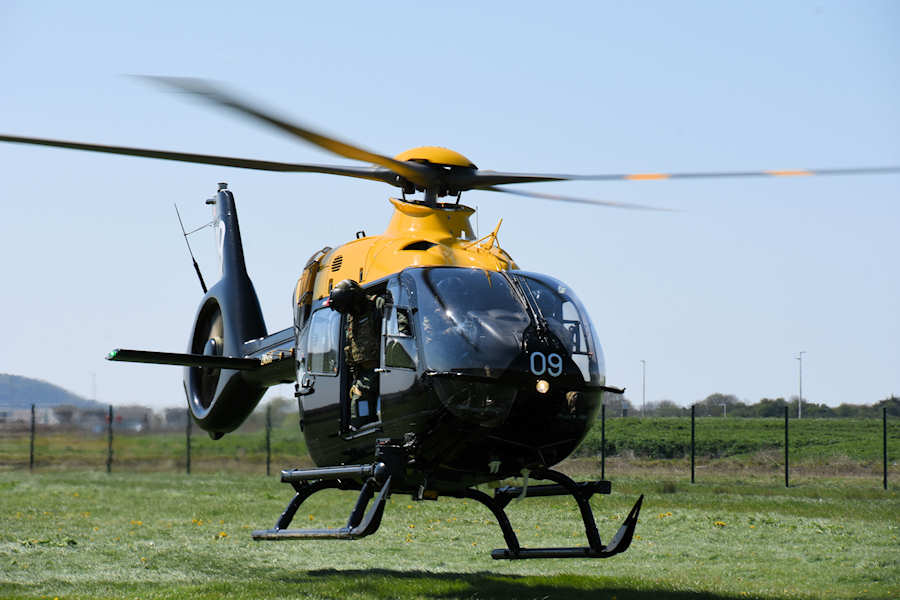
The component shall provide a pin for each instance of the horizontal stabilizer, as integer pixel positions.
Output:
(184, 360)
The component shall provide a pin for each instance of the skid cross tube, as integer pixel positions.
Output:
(348, 471)
(564, 486)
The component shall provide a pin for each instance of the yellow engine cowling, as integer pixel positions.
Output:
(417, 235)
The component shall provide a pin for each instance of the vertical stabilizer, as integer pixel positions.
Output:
(228, 316)
(228, 235)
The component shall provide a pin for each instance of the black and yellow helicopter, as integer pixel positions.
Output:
(424, 360)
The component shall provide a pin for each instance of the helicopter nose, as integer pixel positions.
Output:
(475, 400)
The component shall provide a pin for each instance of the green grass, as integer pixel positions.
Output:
(156, 535)
(243, 449)
(829, 445)
(670, 437)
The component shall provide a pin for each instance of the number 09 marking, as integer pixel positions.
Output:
(551, 364)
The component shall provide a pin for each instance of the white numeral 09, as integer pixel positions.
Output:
(551, 364)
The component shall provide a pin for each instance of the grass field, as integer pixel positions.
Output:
(86, 534)
(817, 446)
(810, 439)
(163, 451)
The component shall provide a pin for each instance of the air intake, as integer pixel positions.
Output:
(420, 245)
(336, 263)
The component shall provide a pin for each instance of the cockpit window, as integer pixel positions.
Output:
(476, 321)
(469, 319)
(567, 319)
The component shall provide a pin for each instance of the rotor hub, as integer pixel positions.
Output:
(436, 155)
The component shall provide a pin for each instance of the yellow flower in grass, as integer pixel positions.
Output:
(719, 523)
(222, 534)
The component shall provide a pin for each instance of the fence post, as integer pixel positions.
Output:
(693, 410)
(883, 440)
(268, 437)
(109, 440)
(187, 436)
(787, 482)
(603, 441)
(31, 443)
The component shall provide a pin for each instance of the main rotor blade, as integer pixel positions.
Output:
(481, 179)
(577, 200)
(472, 180)
(416, 173)
(372, 173)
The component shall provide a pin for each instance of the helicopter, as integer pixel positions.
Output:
(424, 360)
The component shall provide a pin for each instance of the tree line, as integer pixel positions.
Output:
(728, 405)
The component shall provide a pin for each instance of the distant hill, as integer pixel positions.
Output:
(19, 392)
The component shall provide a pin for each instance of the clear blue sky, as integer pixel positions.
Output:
(717, 298)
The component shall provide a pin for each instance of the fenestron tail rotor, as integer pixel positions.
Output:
(435, 171)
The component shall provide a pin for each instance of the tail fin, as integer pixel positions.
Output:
(229, 315)
(228, 235)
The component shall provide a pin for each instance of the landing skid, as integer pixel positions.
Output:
(359, 525)
(582, 493)
(390, 467)
(307, 482)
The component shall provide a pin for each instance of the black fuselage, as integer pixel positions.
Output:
(480, 374)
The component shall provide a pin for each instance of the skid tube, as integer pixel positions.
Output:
(378, 477)
(565, 486)
(391, 462)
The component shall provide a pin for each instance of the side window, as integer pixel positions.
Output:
(564, 319)
(323, 342)
(574, 326)
(399, 345)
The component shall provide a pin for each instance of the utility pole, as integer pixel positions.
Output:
(800, 397)
(724, 410)
(643, 386)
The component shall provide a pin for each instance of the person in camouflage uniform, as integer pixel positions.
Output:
(362, 349)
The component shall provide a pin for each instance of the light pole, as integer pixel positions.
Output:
(800, 397)
(643, 386)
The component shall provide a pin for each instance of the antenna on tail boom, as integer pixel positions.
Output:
(191, 252)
